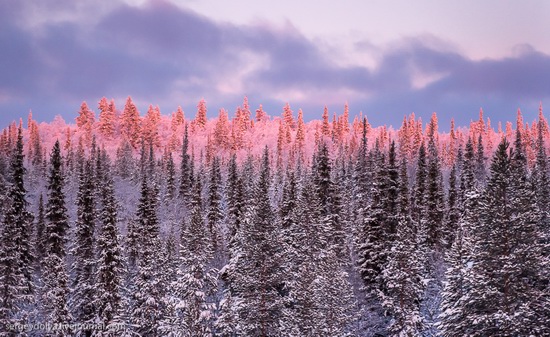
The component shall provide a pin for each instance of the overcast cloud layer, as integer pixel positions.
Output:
(55, 56)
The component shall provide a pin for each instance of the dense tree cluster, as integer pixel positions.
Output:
(154, 226)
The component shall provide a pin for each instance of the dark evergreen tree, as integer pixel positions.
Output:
(419, 209)
(56, 290)
(434, 199)
(214, 212)
(329, 200)
(402, 273)
(16, 257)
(453, 213)
(190, 308)
(254, 274)
(504, 299)
(110, 264)
(83, 287)
(40, 233)
(479, 167)
(170, 177)
(372, 244)
(540, 181)
(148, 308)
(235, 203)
(185, 169)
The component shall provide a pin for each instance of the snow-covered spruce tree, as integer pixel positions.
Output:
(452, 213)
(190, 307)
(39, 233)
(402, 274)
(82, 301)
(186, 184)
(16, 256)
(214, 212)
(541, 185)
(434, 199)
(147, 310)
(372, 244)
(504, 299)
(110, 264)
(467, 175)
(430, 239)
(479, 166)
(299, 299)
(234, 194)
(460, 257)
(254, 272)
(392, 192)
(56, 289)
(361, 179)
(419, 204)
(170, 177)
(329, 201)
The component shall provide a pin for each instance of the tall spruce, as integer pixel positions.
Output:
(147, 309)
(504, 299)
(110, 263)
(185, 168)
(402, 274)
(83, 285)
(214, 211)
(16, 255)
(56, 288)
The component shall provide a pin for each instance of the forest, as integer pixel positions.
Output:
(124, 224)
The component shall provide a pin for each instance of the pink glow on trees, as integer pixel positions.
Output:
(130, 123)
(85, 122)
(107, 118)
(200, 118)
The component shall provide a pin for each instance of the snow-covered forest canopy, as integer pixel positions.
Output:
(126, 225)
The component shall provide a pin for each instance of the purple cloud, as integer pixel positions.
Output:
(162, 54)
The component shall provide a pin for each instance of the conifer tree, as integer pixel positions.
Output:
(56, 289)
(235, 203)
(479, 168)
(434, 199)
(452, 212)
(329, 199)
(504, 298)
(288, 119)
(40, 232)
(200, 118)
(110, 263)
(83, 287)
(254, 274)
(130, 123)
(16, 256)
(372, 244)
(85, 121)
(170, 177)
(107, 118)
(147, 311)
(185, 168)
(260, 114)
(325, 128)
(419, 210)
(150, 132)
(190, 309)
(214, 214)
(402, 273)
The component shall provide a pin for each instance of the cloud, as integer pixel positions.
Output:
(164, 54)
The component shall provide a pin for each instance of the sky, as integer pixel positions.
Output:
(384, 58)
